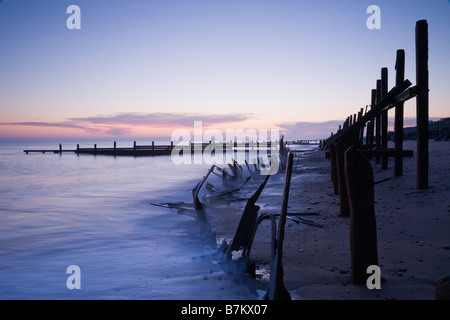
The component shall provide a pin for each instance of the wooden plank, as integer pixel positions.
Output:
(388, 153)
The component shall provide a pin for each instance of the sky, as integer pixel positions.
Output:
(144, 68)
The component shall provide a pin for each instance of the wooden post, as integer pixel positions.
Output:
(398, 125)
(115, 148)
(422, 103)
(277, 290)
(153, 145)
(333, 168)
(372, 122)
(361, 132)
(78, 148)
(343, 198)
(384, 118)
(60, 148)
(378, 124)
(363, 232)
(95, 148)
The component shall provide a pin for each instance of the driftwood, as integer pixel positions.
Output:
(247, 224)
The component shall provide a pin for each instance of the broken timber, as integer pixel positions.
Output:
(277, 290)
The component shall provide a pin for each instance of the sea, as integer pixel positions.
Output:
(82, 227)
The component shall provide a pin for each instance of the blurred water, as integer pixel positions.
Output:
(93, 211)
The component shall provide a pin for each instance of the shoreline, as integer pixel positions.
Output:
(412, 230)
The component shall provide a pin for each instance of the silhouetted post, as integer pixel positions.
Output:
(277, 290)
(422, 103)
(60, 148)
(384, 118)
(373, 101)
(361, 131)
(78, 148)
(115, 148)
(153, 145)
(398, 125)
(343, 198)
(95, 148)
(378, 124)
(363, 232)
(333, 168)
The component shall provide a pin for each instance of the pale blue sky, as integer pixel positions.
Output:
(264, 63)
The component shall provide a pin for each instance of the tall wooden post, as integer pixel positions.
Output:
(378, 124)
(398, 124)
(422, 103)
(384, 118)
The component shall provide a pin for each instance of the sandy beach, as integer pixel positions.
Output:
(412, 231)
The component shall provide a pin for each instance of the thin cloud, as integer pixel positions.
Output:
(43, 124)
(161, 119)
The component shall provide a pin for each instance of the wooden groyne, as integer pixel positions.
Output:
(350, 153)
(368, 128)
(160, 150)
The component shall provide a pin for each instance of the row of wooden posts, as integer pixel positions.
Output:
(363, 136)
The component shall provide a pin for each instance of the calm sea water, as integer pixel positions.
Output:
(93, 212)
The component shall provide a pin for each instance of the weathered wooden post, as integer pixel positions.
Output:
(333, 168)
(398, 124)
(363, 234)
(384, 118)
(422, 103)
(378, 124)
(277, 290)
(343, 197)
